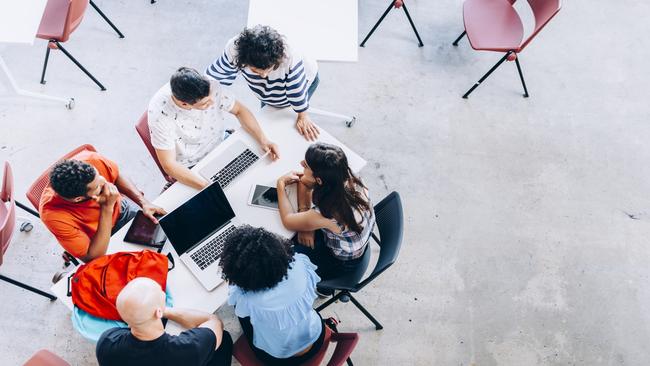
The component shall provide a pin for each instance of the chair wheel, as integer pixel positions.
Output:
(26, 227)
(70, 104)
(351, 122)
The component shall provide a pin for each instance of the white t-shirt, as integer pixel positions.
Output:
(193, 133)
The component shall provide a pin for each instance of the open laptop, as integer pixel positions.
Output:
(198, 229)
(230, 163)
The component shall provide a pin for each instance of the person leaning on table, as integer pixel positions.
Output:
(335, 216)
(186, 122)
(277, 73)
(141, 304)
(83, 205)
(273, 291)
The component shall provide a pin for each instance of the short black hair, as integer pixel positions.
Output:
(261, 47)
(189, 86)
(70, 178)
(255, 259)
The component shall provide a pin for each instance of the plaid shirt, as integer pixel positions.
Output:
(348, 244)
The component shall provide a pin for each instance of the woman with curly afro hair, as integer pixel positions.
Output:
(273, 291)
(278, 74)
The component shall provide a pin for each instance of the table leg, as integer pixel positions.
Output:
(69, 103)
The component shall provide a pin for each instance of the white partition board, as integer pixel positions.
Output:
(19, 20)
(325, 30)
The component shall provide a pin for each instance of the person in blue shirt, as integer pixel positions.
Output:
(273, 291)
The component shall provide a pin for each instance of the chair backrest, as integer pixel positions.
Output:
(36, 189)
(345, 343)
(544, 11)
(7, 211)
(45, 358)
(73, 19)
(390, 222)
(143, 130)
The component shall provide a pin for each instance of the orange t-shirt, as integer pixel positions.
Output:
(74, 224)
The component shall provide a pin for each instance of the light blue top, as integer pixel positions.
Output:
(284, 321)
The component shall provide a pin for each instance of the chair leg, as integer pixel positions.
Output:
(92, 3)
(365, 312)
(47, 57)
(459, 38)
(377, 24)
(27, 209)
(487, 74)
(420, 44)
(59, 46)
(331, 301)
(521, 76)
(27, 287)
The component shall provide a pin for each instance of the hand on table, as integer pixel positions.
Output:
(306, 127)
(150, 211)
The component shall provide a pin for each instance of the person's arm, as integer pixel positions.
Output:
(297, 94)
(176, 170)
(223, 69)
(297, 221)
(196, 319)
(124, 185)
(250, 125)
(99, 242)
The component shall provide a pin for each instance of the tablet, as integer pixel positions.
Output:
(264, 196)
(144, 232)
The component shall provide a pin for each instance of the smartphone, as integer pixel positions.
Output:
(263, 196)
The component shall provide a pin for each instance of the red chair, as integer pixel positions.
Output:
(394, 4)
(36, 190)
(60, 19)
(45, 358)
(345, 343)
(494, 25)
(7, 225)
(142, 127)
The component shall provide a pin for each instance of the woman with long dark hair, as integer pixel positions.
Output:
(335, 217)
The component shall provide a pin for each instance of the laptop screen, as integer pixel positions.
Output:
(197, 218)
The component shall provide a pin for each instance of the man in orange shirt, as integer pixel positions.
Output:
(83, 205)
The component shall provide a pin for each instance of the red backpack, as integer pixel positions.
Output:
(95, 285)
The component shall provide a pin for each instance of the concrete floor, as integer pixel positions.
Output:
(526, 219)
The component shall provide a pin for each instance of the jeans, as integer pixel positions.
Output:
(128, 210)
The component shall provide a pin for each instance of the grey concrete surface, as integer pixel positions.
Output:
(526, 219)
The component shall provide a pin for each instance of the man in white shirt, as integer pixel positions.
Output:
(186, 122)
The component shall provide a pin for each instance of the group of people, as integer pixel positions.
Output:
(273, 281)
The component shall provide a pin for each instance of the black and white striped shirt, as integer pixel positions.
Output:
(283, 87)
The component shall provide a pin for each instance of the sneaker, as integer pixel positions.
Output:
(324, 293)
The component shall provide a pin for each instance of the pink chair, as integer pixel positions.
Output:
(494, 25)
(7, 225)
(394, 4)
(345, 343)
(45, 358)
(142, 127)
(60, 19)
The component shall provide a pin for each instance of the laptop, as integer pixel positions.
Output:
(230, 163)
(198, 229)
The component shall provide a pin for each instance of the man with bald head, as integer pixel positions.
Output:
(141, 305)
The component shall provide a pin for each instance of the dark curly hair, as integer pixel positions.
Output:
(189, 86)
(70, 178)
(255, 259)
(261, 47)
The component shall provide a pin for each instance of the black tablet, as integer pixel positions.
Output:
(144, 232)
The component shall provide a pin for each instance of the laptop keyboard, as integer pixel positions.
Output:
(234, 168)
(211, 250)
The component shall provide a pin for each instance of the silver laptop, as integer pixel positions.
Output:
(198, 229)
(230, 163)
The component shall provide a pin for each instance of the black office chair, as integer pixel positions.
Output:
(390, 222)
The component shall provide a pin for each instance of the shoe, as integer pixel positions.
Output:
(324, 293)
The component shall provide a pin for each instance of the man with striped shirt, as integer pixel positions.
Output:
(276, 73)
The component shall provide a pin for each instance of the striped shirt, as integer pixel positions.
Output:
(283, 87)
(350, 244)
